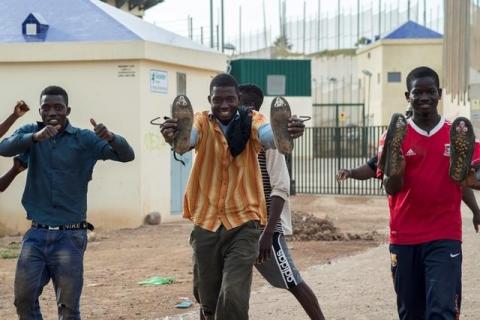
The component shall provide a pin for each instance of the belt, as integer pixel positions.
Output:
(75, 226)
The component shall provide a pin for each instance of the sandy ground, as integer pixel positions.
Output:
(351, 278)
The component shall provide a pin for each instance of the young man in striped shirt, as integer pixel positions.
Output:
(224, 198)
(274, 261)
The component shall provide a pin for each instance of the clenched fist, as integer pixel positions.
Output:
(47, 132)
(20, 108)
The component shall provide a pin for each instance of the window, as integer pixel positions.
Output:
(394, 77)
(31, 29)
(181, 83)
(276, 85)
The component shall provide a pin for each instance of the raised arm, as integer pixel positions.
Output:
(19, 110)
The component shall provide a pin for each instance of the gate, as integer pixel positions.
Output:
(322, 151)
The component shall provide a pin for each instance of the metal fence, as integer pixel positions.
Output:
(338, 114)
(322, 151)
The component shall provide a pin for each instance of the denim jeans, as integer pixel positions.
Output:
(50, 254)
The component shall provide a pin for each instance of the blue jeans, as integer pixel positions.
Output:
(50, 254)
(428, 280)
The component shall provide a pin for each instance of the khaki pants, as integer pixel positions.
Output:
(222, 270)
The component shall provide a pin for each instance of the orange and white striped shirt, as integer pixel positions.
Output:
(222, 189)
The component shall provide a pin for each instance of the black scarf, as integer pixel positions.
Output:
(239, 131)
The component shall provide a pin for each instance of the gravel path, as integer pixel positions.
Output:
(359, 287)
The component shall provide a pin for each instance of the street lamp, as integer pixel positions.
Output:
(369, 75)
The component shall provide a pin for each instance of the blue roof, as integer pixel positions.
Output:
(84, 20)
(39, 18)
(413, 30)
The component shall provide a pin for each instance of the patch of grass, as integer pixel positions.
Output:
(12, 251)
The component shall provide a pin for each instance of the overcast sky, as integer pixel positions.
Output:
(173, 14)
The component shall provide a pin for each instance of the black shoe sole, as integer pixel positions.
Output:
(182, 111)
(390, 158)
(462, 143)
(279, 114)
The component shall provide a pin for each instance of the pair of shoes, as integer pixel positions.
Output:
(390, 158)
(182, 110)
(462, 144)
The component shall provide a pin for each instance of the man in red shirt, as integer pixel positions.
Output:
(424, 201)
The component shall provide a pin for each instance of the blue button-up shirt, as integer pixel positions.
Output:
(59, 170)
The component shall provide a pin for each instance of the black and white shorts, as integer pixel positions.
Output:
(279, 270)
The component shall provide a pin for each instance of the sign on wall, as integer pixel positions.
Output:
(159, 81)
(126, 70)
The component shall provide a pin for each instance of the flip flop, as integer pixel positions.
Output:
(182, 111)
(279, 114)
(462, 143)
(390, 158)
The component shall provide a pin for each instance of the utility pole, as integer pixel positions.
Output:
(424, 13)
(284, 15)
(379, 18)
(190, 28)
(218, 37)
(318, 25)
(211, 23)
(280, 10)
(358, 20)
(240, 29)
(304, 24)
(264, 25)
(223, 26)
(338, 24)
(408, 10)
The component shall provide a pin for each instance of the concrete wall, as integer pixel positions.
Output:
(95, 91)
(104, 84)
(156, 155)
(334, 79)
(370, 60)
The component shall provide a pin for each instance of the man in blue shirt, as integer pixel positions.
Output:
(60, 164)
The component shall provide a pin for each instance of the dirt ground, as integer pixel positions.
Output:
(118, 260)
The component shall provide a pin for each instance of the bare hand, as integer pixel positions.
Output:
(47, 132)
(17, 164)
(343, 174)
(471, 180)
(265, 244)
(169, 130)
(476, 221)
(20, 108)
(295, 127)
(101, 131)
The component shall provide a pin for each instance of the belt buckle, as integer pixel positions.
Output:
(53, 228)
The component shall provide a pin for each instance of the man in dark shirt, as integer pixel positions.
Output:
(60, 165)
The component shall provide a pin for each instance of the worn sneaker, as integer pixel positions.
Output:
(279, 114)
(390, 157)
(462, 143)
(182, 111)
